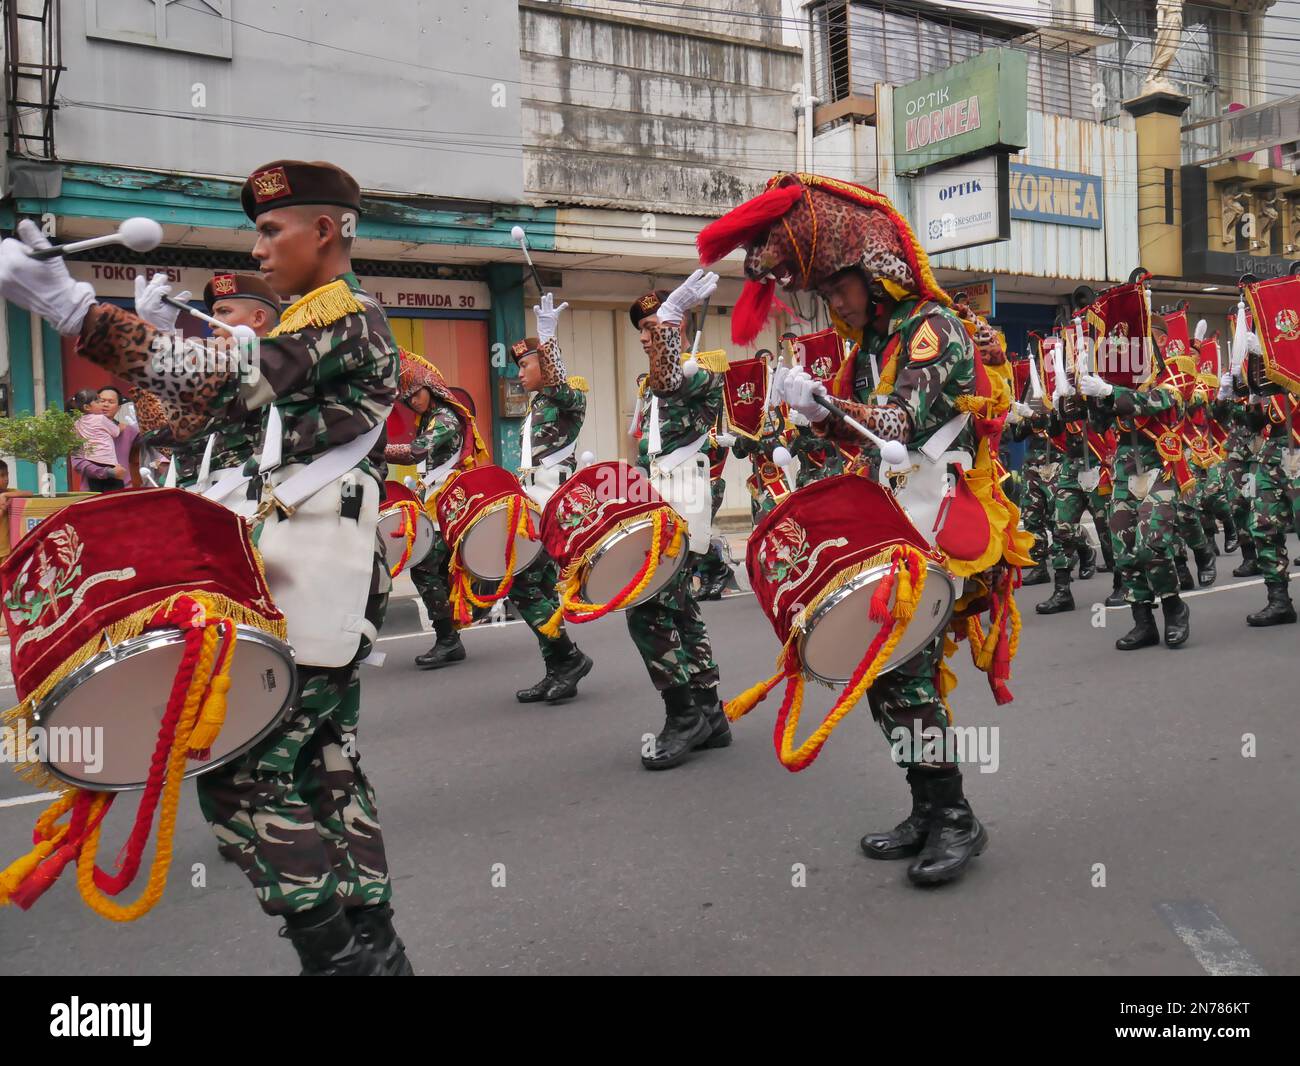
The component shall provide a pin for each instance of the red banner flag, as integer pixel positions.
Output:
(1178, 339)
(821, 354)
(1207, 359)
(1275, 305)
(1123, 323)
(745, 394)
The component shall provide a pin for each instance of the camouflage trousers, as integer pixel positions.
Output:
(905, 704)
(432, 582)
(533, 593)
(296, 812)
(1145, 536)
(1213, 494)
(1230, 492)
(1190, 530)
(1037, 511)
(670, 634)
(1270, 512)
(1068, 534)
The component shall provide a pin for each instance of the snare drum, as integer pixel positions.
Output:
(83, 595)
(818, 559)
(482, 513)
(405, 527)
(600, 527)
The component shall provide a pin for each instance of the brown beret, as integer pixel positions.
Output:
(291, 181)
(646, 306)
(527, 346)
(240, 287)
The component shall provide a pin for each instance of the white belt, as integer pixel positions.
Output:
(677, 456)
(326, 468)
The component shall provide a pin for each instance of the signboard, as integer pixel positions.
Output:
(963, 204)
(978, 104)
(1060, 197)
(117, 281)
(981, 296)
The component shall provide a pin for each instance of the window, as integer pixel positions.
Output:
(198, 27)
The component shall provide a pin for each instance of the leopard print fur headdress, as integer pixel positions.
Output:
(803, 229)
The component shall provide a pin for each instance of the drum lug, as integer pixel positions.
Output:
(111, 648)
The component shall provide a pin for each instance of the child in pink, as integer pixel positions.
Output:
(98, 430)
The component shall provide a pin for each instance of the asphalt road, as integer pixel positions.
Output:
(1126, 769)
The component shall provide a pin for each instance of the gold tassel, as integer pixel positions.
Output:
(578, 383)
(320, 307)
(751, 697)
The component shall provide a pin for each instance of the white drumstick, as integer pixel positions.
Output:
(891, 451)
(518, 235)
(138, 234)
(240, 332)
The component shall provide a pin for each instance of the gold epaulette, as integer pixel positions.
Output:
(578, 383)
(715, 362)
(319, 308)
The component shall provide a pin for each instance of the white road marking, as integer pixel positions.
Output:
(1209, 940)
(1216, 588)
(40, 797)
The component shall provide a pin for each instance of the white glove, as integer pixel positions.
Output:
(690, 293)
(42, 285)
(1093, 386)
(799, 388)
(1225, 385)
(1022, 410)
(548, 317)
(725, 440)
(1252, 344)
(149, 302)
(776, 391)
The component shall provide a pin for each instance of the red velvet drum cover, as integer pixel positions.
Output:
(469, 494)
(593, 501)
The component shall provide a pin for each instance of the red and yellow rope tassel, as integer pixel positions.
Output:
(190, 725)
(519, 523)
(992, 652)
(410, 511)
(668, 526)
(906, 583)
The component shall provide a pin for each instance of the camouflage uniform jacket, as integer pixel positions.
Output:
(439, 438)
(1134, 446)
(331, 383)
(557, 411)
(688, 406)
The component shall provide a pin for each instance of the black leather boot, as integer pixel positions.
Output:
(567, 672)
(327, 946)
(1107, 554)
(1280, 610)
(1230, 536)
(1211, 530)
(954, 835)
(1178, 621)
(1206, 568)
(1062, 599)
(1116, 597)
(908, 836)
(1249, 564)
(1185, 580)
(538, 692)
(685, 728)
(1087, 562)
(1144, 633)
(1037, 575)
(719, 735)
(446, 651)
(373, 926)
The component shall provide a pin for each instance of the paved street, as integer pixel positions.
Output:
(1132, 760)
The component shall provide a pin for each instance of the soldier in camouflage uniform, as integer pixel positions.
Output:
(556, 411)
(850, 246)
(767, 482)
(296, 809)
(1036, 508)
(1230, 411)
(818, 458)
(1145, 523)
(1269, 497)
(668, 630)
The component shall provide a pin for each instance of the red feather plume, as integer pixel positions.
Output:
(746, 223)
(752, 310)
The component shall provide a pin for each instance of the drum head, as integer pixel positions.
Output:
(483, 547)
(390, 529)
(619, 560)
(840, 630)
(101, 722)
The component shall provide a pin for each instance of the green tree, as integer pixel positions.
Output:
(44, 438)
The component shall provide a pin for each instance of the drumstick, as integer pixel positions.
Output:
(891, 451)
(518, 235)
(240, 332)
(138, 234)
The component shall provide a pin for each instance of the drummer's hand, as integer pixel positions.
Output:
(1225, 385)
(690, 293)
(149, 302)
(42, 285)
(548, 317)
(800, 389)
(1022, 410)
(1094, 387)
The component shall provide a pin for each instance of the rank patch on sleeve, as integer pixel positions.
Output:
(924, 345)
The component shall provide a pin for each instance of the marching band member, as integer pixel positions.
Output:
(847, 243)
(297, 809)
(668, 630)
(549, 442)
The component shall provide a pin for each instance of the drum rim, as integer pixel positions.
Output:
(414, 560)
(148, 641)
(853, 585)
(614, 538)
